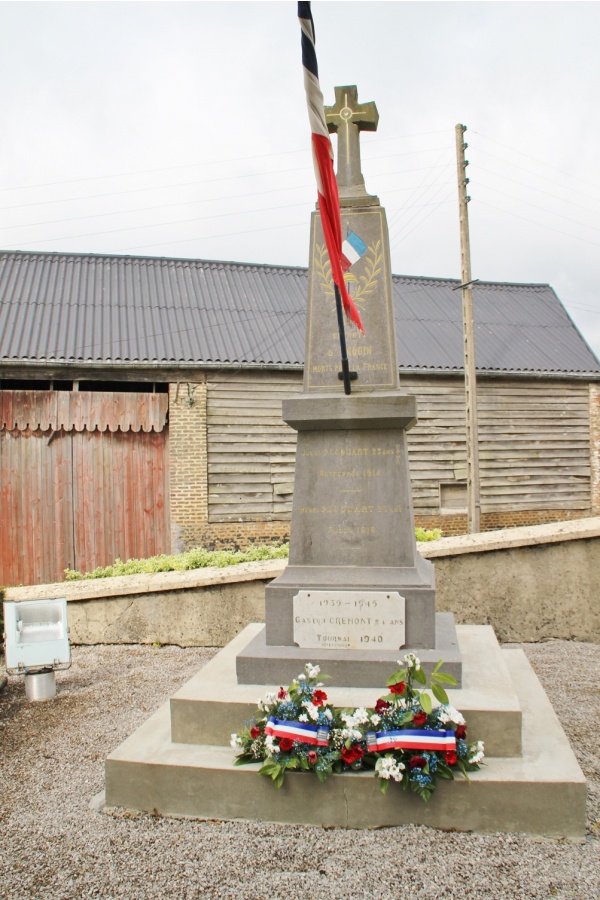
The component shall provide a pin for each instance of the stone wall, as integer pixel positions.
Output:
(530, 584)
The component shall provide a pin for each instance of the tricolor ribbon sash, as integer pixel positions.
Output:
(303, 732)
(411, 739)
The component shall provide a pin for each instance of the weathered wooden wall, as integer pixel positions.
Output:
(250, 449)
(80, 497)
(534, 445)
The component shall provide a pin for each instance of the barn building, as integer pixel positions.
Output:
(140, 406)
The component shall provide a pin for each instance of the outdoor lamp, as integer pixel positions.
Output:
(36, 638)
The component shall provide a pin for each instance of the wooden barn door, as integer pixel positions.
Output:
(36, 506)
(91, 487)
(120, 496)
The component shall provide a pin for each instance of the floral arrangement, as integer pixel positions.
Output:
(406, 737)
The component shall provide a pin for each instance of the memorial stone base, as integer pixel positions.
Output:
(179, 762)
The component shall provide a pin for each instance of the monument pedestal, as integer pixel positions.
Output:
(356, 594)
(178, 763)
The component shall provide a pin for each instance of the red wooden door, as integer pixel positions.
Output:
(79, 497)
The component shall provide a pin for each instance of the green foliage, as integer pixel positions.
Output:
(198, 558)
(427, 534)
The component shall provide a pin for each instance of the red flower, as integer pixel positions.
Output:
(351, 754)
(461, 732)
(319, 698)
(398, 688)
(312, 757)
(417, 762)
(419, 719)
(282, 693)
(450, 756)
(381, 706)
(254, 732)
(286, 744)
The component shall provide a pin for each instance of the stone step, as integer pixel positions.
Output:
(541, 793)
(212, 705)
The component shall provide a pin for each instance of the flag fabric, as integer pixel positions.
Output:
(329, 202)
(411, 739)
(353, 249)
(302, 732)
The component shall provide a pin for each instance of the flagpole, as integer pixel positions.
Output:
(345, 373)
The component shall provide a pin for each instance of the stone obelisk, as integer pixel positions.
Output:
(356, 591)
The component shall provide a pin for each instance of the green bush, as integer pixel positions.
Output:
(427, 534)
(199, 558)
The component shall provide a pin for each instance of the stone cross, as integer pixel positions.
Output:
(348, 118)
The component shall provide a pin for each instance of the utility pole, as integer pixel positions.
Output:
(473, 497)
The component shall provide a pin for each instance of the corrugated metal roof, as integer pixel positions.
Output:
(122, 309)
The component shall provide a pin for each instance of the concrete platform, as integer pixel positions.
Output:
(212, 704)
(538, 789)
(263, 663)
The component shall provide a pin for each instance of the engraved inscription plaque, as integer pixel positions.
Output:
(349, 620)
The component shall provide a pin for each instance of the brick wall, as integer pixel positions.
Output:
(457, 524)
(188, 455)
(188, 451)
(595, 446)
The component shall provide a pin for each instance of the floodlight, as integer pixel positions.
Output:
(36, 637)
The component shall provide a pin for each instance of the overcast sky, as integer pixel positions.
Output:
(180, 129)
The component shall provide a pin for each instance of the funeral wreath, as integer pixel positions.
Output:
(407, 737)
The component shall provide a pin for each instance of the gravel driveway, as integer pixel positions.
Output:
(52, 845)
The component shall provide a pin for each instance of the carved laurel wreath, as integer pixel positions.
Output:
(365, 283)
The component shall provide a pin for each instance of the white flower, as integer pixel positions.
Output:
(411, 661)
(375, 720)
(303, 717)
(477, 753)
(301, 677)
(270, 698)
(387, 767)
(358, 717)
(454, 715)
(311, 709)
(312, 671)
(236, 742)
(270, 745)
(328, 714)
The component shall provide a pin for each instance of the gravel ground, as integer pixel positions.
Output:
(53, 846)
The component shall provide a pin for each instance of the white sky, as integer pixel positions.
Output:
(180, 129)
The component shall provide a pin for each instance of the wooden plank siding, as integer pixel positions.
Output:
(534, 445)
(81, 498)
(251, 451)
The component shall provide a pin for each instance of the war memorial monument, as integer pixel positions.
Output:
(355, 596)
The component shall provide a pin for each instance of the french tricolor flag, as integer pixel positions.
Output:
(352, 250)
(327, 189)
(303, 732)
(411, 739)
